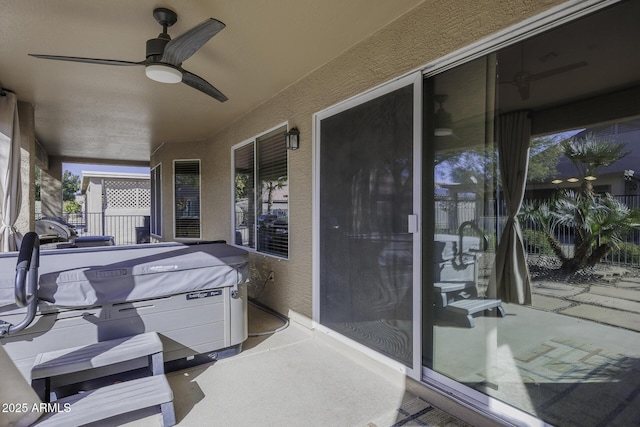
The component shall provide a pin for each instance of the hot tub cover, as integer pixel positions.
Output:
(128, 274)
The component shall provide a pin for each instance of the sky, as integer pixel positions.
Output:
(77, 168)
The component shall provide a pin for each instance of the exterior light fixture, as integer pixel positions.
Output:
(163, 73)
(573, 180)
(442, 119)
(556, 181)
(292, 139)
(590, 178)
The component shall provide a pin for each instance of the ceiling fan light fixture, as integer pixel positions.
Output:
(163, 73)
(442, 131)
(443, 119)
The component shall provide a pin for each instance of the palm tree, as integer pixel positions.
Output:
(542, 215)
(600, 223)
(590, 153)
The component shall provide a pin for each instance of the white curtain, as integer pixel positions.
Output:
(512, 282)
(10, 185)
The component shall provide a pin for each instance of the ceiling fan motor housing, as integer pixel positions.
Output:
(155, 47)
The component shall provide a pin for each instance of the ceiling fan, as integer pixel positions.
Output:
(523, 78)
(165, 56)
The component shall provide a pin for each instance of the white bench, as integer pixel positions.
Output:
(447, 292)
(466, 308)
(111, 400)
(100, 354)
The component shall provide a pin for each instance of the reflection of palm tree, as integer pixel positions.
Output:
(590, 153)
(272, 185)
(600, 223)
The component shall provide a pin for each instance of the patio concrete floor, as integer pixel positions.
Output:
(292, 378)
(616, 303)
(573, 359)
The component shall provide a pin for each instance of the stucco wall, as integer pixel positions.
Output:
(431, 30)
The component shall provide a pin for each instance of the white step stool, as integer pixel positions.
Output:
(110, 400)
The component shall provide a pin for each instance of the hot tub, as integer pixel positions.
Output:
(192, 295)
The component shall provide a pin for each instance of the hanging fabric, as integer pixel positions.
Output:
(10, 183)
(512, 281)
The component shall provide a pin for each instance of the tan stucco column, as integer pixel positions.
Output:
(51, 188)
(26, 220)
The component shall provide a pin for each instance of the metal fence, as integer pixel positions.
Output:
(125, 229)
(491, 217)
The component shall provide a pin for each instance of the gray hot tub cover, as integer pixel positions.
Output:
(127, 276)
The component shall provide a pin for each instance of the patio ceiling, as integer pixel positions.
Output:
(86, 111)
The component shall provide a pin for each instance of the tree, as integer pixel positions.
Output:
(270, 186)
(478, 165)
(242, 180)
(545, 156)
(71, 206)
(600, 223)
(590, 153)
(70, 185)
(38, 182)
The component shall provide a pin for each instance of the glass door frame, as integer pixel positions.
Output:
(415, 79)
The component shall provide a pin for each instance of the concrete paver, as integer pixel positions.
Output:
(628, 294)
(607, 301)
(557, 290)
(635, 280)
(548, 303)
(626, 284)
(609, 316)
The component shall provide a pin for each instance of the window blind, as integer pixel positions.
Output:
(244, 188)
(273, 196)
(187, 198)
(156, 201)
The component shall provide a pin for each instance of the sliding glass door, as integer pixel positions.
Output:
(459, 196)
(366, 224)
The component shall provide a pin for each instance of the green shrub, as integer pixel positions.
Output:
(627, 253)
(535, 242)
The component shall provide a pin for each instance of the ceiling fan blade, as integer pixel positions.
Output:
(559, 70)
(202, 85)
(87, 60)
(182, 47)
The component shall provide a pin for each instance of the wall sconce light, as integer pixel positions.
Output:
(292, 139)
(590, 178)
(556, 181)
(572, 180)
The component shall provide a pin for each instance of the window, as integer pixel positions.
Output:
(261, 194)
(187, 198)
(156, 201)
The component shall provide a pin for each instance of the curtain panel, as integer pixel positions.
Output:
(10, 183)
(512, 281)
